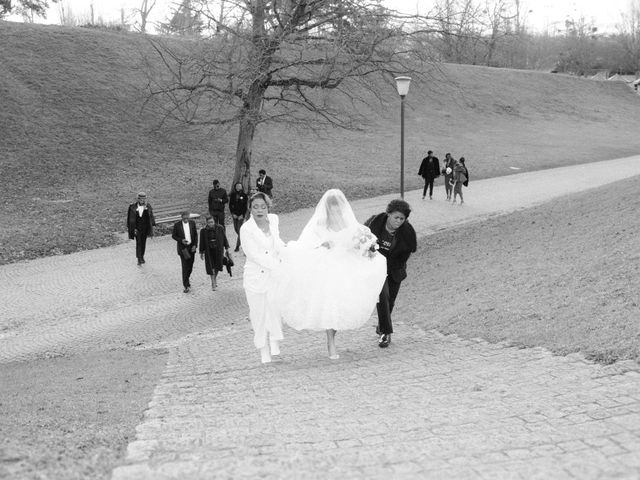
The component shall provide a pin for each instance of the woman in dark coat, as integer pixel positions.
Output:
(213, 247)
(238, 206)
(397, 240)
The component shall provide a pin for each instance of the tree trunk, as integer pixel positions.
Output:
(242, 171)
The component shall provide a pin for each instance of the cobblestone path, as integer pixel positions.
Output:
(429, 406)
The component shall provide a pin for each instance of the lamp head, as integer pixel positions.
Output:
(402, 84)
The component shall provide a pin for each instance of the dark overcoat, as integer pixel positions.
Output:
(404, 243)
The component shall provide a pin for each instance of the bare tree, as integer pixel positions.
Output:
(26, 8)
(629, 36)
(277, 61)
(145, 9)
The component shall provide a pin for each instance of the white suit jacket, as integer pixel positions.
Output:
(262, 252)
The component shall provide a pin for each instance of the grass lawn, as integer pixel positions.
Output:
(72, 418)
(564, 276)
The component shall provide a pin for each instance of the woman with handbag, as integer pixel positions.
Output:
(213, 249)
(261, 243)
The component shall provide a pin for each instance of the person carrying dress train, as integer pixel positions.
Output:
(213, 247)
(329, 279)
(261, 244)
(396, 241)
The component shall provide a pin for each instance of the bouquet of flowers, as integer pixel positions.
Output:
(365, 242)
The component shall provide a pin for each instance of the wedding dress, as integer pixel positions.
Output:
(330, 278)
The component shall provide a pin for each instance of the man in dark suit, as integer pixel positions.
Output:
(186, 236)
(429, 170)
(140, 223)
(397, 240)
(217, 200)
(264, 183)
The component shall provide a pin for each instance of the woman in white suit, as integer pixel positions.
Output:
(261, 243)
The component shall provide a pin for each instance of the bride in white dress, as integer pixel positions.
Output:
(330, 278)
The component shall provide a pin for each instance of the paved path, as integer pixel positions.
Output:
(428, 405)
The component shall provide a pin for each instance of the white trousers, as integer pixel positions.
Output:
(264, 321)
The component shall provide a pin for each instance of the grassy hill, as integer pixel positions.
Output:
(77, 143)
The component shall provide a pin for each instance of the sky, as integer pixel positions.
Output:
(542, 15)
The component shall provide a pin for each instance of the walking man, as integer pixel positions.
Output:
(186, 236)
(264, 183)
(140, 223)
(217, 200)
(429, 170)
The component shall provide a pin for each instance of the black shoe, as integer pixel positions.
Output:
(142, 260)
(186, 289)
(385, 340)
(237, 249)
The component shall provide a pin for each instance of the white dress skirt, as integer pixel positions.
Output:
(327, 288)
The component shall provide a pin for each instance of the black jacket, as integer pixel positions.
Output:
(146, 222)
(404, 244)
(178, 236)
(238, 202)
(217, 199)
(426, 172)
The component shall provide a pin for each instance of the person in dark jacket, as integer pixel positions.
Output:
(217, 201)
(213, 247)
(185, 234)
(264, 183)
(396, 241)
(140, 223)
(429, 170)
(238, 206)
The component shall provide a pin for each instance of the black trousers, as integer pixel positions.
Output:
(237, 223)
(218, 216)
(385, 304)
(187, 268)
(428, 182)
(141, 245)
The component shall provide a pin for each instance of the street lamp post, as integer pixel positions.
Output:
(402, 84)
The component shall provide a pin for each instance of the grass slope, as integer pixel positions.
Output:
(563, 275)
(77, 143)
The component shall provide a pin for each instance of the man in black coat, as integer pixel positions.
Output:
(397, 240)
(140, 223)
(429, 170)
(264, 183)
(185, 234)
(217, 200)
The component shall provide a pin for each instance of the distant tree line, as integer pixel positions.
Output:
(495, 33)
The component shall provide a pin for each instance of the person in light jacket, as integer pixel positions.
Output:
(261, 243)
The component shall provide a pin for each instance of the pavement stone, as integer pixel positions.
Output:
(431, 405)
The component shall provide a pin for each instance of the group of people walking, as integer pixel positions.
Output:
(454, 171)
(331, 278)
